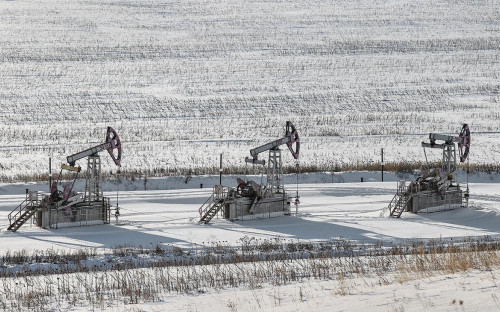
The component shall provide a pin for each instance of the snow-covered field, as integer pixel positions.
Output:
(184, 81)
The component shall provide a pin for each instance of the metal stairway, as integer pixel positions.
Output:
(400, 201)
(22, 213)
(213, 204)
(212, 210)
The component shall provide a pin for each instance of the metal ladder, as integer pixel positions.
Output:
(399, 202)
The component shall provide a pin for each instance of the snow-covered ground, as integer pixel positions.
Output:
(355, 211)
(472, 290)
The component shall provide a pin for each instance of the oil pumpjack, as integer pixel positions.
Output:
(67, 207)
(250, 198)
(437, 189)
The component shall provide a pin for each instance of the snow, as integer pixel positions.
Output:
(355, 211)
(182, 82)
(388, 290)
(469, 291)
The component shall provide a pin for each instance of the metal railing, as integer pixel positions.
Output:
(448, 201)
(397, 197)
(30, 201)
(206, 205)
(219, 193)
(80, 214)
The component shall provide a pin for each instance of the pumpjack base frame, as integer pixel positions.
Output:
(432, 201)
(244, 208)
(80, 214)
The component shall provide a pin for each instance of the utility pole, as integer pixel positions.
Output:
(382, 163)
(50, 174)
(220, 170)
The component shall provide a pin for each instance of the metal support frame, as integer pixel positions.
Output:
(449, 162)
(275, 172)
(93, 187)
(449, 158)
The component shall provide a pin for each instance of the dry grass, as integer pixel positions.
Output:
(138, 174)
(218, 267)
